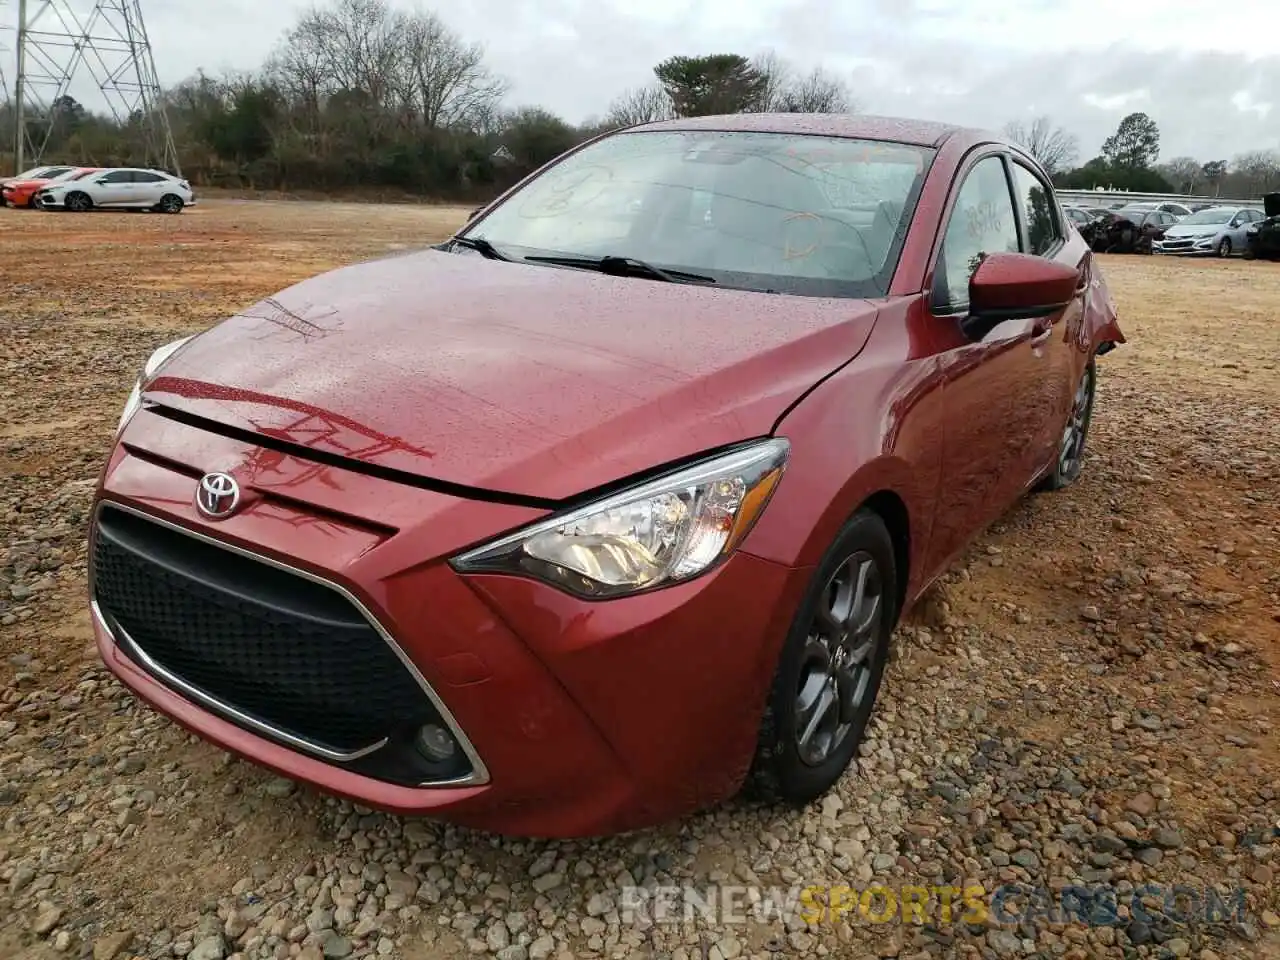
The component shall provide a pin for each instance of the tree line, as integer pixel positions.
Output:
(1129, 160)
(359, 94)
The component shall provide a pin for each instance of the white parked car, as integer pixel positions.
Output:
(124, 188)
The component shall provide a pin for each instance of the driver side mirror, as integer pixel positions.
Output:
(1018, 286)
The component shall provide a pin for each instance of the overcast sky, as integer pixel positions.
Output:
(1209, 75)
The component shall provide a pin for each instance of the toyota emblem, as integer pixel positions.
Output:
(218, 494)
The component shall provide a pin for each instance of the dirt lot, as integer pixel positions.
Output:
(1091, 698)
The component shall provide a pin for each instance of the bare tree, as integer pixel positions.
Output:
(365, 52)
(1185, 173)
(1256, 172)
(1054, 147)
(640, 105)
(444, 78)
(776, 74)
(815, 92)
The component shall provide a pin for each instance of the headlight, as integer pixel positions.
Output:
(149, 370)
(662, 532)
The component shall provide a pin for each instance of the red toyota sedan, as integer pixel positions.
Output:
(607, 506)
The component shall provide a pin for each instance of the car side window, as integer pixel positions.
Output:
(1037, 202)
(982, 222)
(143, 177)
(117, 176)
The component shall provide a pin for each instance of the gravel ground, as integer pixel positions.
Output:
(1090, 698)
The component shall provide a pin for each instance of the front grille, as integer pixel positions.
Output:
(283, 650)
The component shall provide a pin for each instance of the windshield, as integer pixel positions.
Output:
(1209, 216)
(806, 215)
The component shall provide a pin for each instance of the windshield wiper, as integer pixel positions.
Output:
(483, 247)
(622, 266)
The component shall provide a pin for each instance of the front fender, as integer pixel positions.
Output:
(874, 427)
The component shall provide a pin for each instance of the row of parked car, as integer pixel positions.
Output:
(81, 189)
(1169, 227)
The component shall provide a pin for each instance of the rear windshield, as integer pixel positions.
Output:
(808, 215)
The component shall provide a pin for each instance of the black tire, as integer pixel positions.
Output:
(78, 202)
(170, 203)
(1224, 247)
(1068, 464)
(779, 772)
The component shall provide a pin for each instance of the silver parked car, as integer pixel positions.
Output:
(1216, 231)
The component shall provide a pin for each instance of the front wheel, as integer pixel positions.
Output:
(1070, 460)
(79, 202)
(830, 670)
(1224, 247)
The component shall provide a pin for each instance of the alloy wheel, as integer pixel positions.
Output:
(837, 666)
(1071, 450)
(1224, 248)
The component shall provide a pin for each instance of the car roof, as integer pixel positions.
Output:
(921, 133)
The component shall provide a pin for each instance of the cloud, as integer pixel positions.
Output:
(1085, 63)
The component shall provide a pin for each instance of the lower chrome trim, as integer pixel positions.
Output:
(121, 636)
(479, 772)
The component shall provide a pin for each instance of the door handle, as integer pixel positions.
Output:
(1041, 331)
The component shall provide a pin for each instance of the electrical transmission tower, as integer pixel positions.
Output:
(103, 42)
(5, 52)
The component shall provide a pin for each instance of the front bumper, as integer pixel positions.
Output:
(1198, 246)
(577, 718)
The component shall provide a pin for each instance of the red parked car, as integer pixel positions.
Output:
(607, 505)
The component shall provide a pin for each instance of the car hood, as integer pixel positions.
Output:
(23, 184)
(1195, 229)
(510, 378)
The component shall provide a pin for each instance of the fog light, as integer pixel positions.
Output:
(435, 743)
